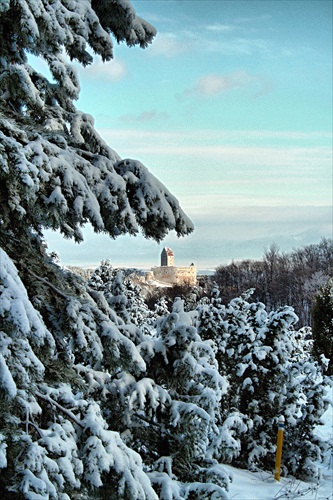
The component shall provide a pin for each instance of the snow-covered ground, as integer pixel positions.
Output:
(248, 485)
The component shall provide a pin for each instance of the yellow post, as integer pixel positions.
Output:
(279, 449)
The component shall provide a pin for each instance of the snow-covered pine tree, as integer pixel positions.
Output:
(124, 298)
(306, 402)
(271, 372)
(161, 307)
(211, 324)
(54, 439)
(102, 277)
(139, 312)
(60, 346)
(210, 315)
(178, 359)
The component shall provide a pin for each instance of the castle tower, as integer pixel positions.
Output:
(167, 257)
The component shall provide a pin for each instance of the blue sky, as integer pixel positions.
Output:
(231, 108)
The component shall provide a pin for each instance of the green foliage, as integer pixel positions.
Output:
(280, 278)
(322, 314)
(271, 372)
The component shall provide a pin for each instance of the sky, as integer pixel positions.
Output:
(231, 108)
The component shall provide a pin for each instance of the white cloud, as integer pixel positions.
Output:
(232, 167)
(254, 215)
(228, 147)
(110, 71)
(221, 28)
(169, 45)
(218, 38)
(215, 84)
(206, 139)
(145, 116)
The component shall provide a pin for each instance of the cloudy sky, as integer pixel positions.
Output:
(231, 108)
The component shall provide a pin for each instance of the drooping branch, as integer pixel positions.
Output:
(144, 419)
(60, 407)
(55, 289)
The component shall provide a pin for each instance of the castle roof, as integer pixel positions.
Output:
(168, 251)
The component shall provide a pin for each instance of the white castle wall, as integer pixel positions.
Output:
(176, 275)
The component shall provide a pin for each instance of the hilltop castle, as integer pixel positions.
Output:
(167, 272)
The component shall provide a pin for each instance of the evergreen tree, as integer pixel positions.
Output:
(305, 403)
(161, 307)
(102, 277)
(140, 314)
(271, 372)
(177, 358)
(61, 345)
(53, 434)
(210, 318)
(124, 298)
(322, 314)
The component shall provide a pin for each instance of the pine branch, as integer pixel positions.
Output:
(43, 280)
(35, 427)
(30, 422)
(61, 408)
(146, 420)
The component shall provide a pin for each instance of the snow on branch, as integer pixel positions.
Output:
(156, 209)
(64, 410)
(56, 187)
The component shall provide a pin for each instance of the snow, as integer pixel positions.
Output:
(6, 380)
(260, 485)
(146, 391)
(4, 5)
(106, 450)
(15, 305)
(326, 431)
(3, 446)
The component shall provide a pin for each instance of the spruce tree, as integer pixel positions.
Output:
(322, 315)
(271, 372)
(179, 359)
(61, 344)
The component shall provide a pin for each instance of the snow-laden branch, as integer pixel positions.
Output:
(60, 407)
(46, 282)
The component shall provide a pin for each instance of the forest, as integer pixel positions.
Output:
(281, 278)
(101, 396)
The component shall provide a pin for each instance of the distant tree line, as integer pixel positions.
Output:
(280, 278)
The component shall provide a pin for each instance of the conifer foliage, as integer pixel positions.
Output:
(323, 325)
(56, 170)
(271, 371)
(61, 344)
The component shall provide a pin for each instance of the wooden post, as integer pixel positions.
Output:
(279, 449)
